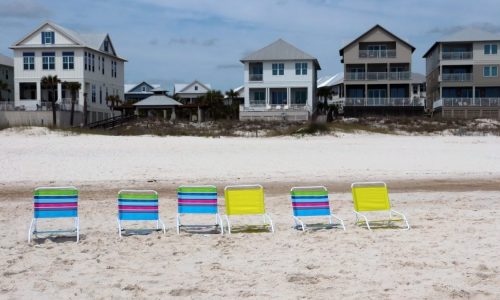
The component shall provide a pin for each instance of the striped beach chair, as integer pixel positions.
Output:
(138, 205)
(373, 197)
(54, 203)
(311, 201)
(198, 199)
(245, 200)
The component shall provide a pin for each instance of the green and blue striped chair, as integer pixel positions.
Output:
(55, 203)
(198, 199)
(311, 201)
(138, 205)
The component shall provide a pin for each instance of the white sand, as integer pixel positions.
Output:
(452, 250)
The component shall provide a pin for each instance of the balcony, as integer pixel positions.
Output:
(459, 55)
(390, 53)
(456, 77)
(374, 76)
(464, 102)
(383, 102)
(355, 76)
(405, 75)
(256, 77)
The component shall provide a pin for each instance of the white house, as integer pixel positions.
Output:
(89, 59)
(279, 83)
(187, 93)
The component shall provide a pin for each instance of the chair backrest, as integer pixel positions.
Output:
(201, 199)
(55, 202)
(138, 205)
(310, 201)
(244, 200)
(370, 196)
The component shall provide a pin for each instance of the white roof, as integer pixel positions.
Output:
(157, 101)
(331, 80)
(6, 60)
(180, 87)
(130, 86)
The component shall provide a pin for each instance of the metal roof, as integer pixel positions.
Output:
(280, 50)
(130, 86)
(417, 78)
(157, 100)
(331, 80)
(468, 34)
(180, 87)
(6, 60)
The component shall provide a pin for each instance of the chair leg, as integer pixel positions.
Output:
(30, 230)
(365, 218)
(77, 223)
(228, 224)
(341, 222)
(178, 223)
(270, 222)
(221, 224)
(162, 225)
(119, 228)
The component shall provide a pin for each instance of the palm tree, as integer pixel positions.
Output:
(325, 94)
(50, 82)
(214, 100)
(3, 87)
(113, 101)
(234, 106)
(73, 87)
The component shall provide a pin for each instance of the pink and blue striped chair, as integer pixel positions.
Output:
(138, 205)
(311, 201)
(198, 199)
(55, 203)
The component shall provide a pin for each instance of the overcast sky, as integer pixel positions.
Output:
(167, 41)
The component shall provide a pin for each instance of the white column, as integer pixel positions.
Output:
(59, 92)
(80, 94)
(288, 96)
(39, 93)
(267, 97)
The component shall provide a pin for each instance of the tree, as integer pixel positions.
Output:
(73, 87)
(113, 101)
(234, 106)
(214, 100)
(50, 82)
(3, 87)
(325, 94)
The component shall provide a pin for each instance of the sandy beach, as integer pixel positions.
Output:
(447, 186)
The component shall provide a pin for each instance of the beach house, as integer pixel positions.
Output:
(279, 83)
(188, 93)
(462, 75)
(7, 78)
(377, 74)
(90, 59)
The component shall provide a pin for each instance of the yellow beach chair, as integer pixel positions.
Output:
(372, 197)
(245, 200)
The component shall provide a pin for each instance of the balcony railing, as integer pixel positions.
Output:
(457, 102)
(256, 77)
(456, 55)
(7, 105)
(377, 53)
(456, 77)
(405, 75)
(378, 75)
(355, 76)
(293, 107)
(383, 102)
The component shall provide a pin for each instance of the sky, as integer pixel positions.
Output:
(178, 41)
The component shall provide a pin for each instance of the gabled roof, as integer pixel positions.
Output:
(328, 81)
(280, 50)
(157, 100)
(93, 41)
(181, 87)
(377, 26)
(469, 34)
(130, 87)
(6, 60)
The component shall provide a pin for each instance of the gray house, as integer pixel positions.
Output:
(377, 68)
(7, 76)
(462, 75)
(138, 92)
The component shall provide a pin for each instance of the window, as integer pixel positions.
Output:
(27, 90)
(299, 96)
(490, 71)
(102, 65)
(255, 70)
(29, 60)
(195, 87)
(257, 97)
(278, 69)
(93, 94)
(106, 45)
(48, 60)
(99, 63)
(143, 88)
(278, 97)
(100, 95)
(68, 60)
(47, 37)
(113, 69)
(86, 60)
(301, 69)
(93, 62)
(490, 49)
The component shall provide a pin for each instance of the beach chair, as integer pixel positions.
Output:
(311, 201)
(138, 205)
(55, 203)
(245, 200)
(198, 199)
(371, 197)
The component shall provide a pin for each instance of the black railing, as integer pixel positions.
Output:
(111, 122)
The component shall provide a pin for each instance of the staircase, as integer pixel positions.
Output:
(111, 122)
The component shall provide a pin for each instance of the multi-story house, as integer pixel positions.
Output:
(279, 83)
(377, 74)
(89, 59)
(7, 77)
(462, 75)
